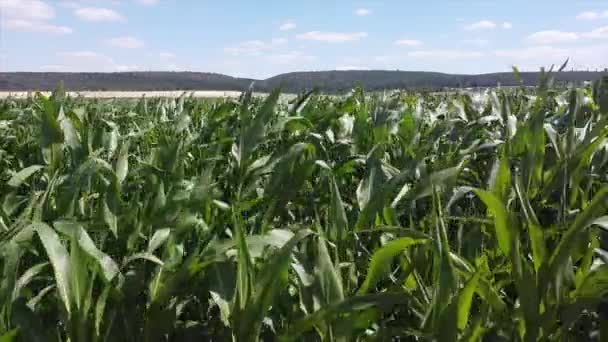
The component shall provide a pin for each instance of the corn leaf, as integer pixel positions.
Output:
(382, 259)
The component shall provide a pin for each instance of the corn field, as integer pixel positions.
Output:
(408, 216)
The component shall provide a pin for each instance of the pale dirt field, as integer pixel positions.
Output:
(133, 94)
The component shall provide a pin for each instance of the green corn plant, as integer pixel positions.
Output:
(405, 215)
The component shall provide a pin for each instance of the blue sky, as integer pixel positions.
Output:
(260, 39)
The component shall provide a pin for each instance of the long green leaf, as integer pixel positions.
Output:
(501, 221)
(595, 284)
(253, 132)
(122, 164)
(329, 313)
(108, 266)
(270, 281)
(465, 299)
(327, 275)
(158, 238)
(594, 210)
(27, 277)
(337, 214)
(382, 258)
(21, 176)
(60, 260)
(244, 265)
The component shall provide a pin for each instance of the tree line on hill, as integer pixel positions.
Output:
(328, 81)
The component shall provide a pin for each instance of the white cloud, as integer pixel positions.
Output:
(386, 58)
(350, 67)
(592, 56)
(80, 53)
(292, 57)
(29, 16)
(34, 10)
(530, 58)
(249, 48)
(97, 14)
(445, 54)
(488, 25)
(74, 4)
(288, 25)
(408, 42)
(547, 53)
(362, 12)
(592, 15)
(481, 25)
(125, 68)
(148, 2)
(166, 55)
(89, 61)
(68, 4)
(172, 67)
(254, 47)
(477, 42)
(332, 37)
(32, 26)
(599, 33)
(588, 15)
(551, 37)
(54, 67)
(88, 56)
(126, 42)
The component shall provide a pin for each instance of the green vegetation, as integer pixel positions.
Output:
(326, 81)
(420, 217)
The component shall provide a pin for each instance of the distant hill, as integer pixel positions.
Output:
(330, 81)
(383, 79)
(121, 81)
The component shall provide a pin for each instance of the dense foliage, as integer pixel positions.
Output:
(445, 217)
(326, 81)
